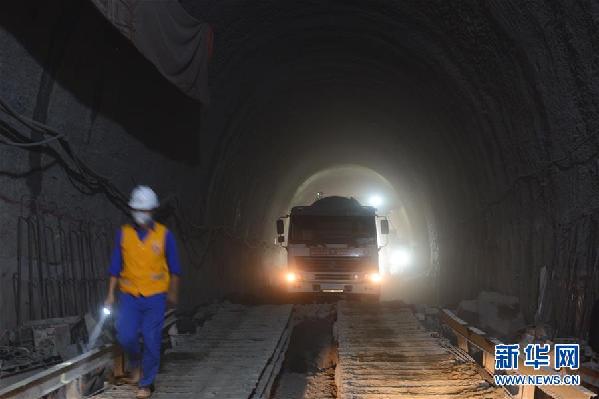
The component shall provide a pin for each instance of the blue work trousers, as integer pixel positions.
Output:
(142, 316)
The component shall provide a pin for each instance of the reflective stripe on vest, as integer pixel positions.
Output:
(145, 269)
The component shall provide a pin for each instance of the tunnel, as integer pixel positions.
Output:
(473, 124)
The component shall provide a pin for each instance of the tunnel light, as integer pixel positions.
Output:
(290, 277)
(375, 200)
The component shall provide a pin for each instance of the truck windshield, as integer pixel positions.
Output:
(311, 229)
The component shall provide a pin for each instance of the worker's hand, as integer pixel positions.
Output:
(172, 298)
(109, 300)
(111, 288)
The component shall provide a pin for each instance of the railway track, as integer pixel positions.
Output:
(384, 352)
(235, 355)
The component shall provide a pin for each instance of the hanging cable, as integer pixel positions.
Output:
(87, 181)
(32, 124)
(75, 168)
(30, 144)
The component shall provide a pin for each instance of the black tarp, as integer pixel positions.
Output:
(178, 45)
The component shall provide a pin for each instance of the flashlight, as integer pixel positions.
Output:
(106, 311)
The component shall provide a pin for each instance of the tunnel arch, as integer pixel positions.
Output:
(241, 121)
(345, 180)
(485, 159)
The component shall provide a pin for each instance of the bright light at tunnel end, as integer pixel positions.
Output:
(375, 200)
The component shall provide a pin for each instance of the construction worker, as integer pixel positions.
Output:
(145, 265)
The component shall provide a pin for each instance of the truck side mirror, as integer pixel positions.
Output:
(384, 226)
(280, 227)
(281, 239)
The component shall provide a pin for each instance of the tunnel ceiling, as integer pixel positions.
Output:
(462, 84)
(486, 111)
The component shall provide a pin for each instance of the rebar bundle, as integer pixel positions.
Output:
(61, 264)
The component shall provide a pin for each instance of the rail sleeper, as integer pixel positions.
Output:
(384, 352)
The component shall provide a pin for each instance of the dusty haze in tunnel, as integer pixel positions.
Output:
(405, 252)
(481, 115)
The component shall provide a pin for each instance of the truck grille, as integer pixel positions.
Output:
(334, 264)
(322, 276)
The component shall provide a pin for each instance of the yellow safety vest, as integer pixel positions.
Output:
(145, 269)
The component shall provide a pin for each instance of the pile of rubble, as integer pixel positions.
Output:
(314, 311)
(498, 314)
(43, 343)
(40, 344)
(188, 322)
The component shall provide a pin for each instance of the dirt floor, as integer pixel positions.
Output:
(309, 368)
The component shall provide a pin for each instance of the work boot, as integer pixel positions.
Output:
(133, 378)
(143, 393)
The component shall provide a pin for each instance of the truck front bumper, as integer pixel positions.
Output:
(334, 287)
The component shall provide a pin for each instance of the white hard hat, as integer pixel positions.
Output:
(143, 198)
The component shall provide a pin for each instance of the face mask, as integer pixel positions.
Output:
(141, 218)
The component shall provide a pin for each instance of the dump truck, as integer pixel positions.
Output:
(332, 247)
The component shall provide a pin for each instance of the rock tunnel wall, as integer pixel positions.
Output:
(484, 112)
(63, 65)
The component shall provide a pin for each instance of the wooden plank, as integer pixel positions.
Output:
(526, 392)
(118, 367)
(476, 336)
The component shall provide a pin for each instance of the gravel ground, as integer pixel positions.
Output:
(320, 385)
(309, 368)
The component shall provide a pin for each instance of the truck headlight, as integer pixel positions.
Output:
(290, 277)
(375, 277)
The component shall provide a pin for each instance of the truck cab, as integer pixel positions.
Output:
(332, 247)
